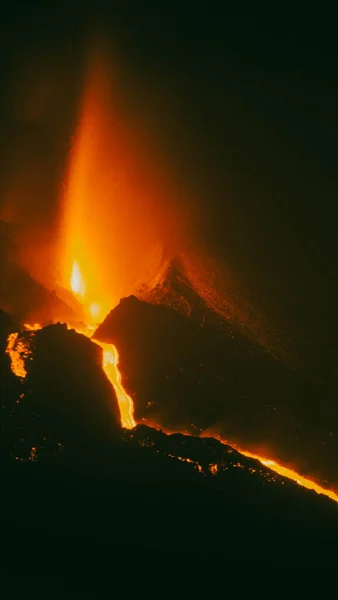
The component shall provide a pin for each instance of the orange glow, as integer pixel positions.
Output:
(112, 228)
(18, 351)
(112, 233)
(115, 218)
(76, 281)
(293, 475)
(78, 286)
(33, 327)
(95, 312)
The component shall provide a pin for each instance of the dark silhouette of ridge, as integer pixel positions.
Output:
(71, 473)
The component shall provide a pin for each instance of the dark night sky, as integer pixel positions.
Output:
(242, 107)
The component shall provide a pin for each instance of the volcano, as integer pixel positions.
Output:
(164, 360)
(144, 403)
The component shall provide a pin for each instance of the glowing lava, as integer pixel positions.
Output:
(18, 350)
(266, 462)
(76, 281)
(293, 475)
(110, 367)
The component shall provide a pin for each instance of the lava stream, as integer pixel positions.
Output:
(290, 474)
(110, 361)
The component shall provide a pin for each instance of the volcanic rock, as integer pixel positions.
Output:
(65, 377)
(149, 490)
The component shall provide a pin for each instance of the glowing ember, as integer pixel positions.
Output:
(18, 350)
(213, 469)
(187, 460)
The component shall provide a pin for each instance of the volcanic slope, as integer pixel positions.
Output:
(171, 492)
(187, 373)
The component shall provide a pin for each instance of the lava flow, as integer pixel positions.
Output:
(17, 351)
(110, 363)
(293, 475)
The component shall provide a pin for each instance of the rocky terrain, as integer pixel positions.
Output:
(71, 474)
(197, 377)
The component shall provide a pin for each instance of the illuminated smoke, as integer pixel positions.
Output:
(115, 211)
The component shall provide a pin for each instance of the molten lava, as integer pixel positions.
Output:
(18, 350)
(110, 367)
(293, 475)
(266, 462)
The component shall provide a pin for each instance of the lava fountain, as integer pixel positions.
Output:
(115, 205)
